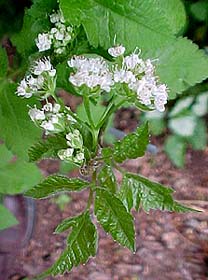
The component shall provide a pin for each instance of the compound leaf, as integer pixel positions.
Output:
(133, 145)
(49, 146)
(107, 178)
(114, 218)
(54, 184)
(150, 195)
(81, 245)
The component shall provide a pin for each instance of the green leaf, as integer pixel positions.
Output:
(181, 65)
(7, 219)
(17, 130)
(107, 178)
(63, 73)
(43, 148)
(114, 218)
(36, 20)
(200, 108)
(6, 155)
(81, 245)
(175, 13)
(150, 195)
(54, 184)
(68, 223)
(137, 23)
(133, 145)
(3, 62)
(156, 122)
(184, 125)
(200, 10)
(182, 105)
(199, 137)
(18, 176)
(175, 147)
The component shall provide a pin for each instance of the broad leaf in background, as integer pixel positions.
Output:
(200, 10)
(143, 24)
(36, 20)
(114, 218)
(81, 245)
(181, 65)
(3, 62)
(156, 122)
(138, 191)
(6, 156)
(7, 219)
(18, 176)
(133, 145)
(17, 130)
(175, 13)
(54, 184)
(183, 126)
(199, 138)
(175, 147)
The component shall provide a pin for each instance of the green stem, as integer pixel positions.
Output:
(90, 198)
(88, 111)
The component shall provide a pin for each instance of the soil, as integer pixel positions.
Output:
(169, 246)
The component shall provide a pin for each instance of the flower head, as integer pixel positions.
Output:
(43, 42)
(116, 51)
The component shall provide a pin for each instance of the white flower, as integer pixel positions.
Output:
(48, 125)
(66, 154)
(79, 157)
(116, 51)
(56, 108)
(36, 114)
(44, 65)
(57, 17)
(24, 90)
(43, 42)
(132, 61)
(48, 107)
(123, 76)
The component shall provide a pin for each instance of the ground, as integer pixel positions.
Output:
(169, 246)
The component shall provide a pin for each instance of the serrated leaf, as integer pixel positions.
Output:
(181, 65)
(67, 223)
(3, 62)
(136, 24)
(114, 218)
(7, 219)
(199, 138)
(175, 12)
(107, 178)
(49, 146)
(150, 195)
(175, 147)
(133, 145)
(54, 184)
(17, 130)
(18, 176)
(81, 245)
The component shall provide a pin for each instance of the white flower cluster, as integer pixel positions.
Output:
(136, 73)
(92, 72)
(58, 37)
(75, 150)
(50, 118)
(40, 82)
